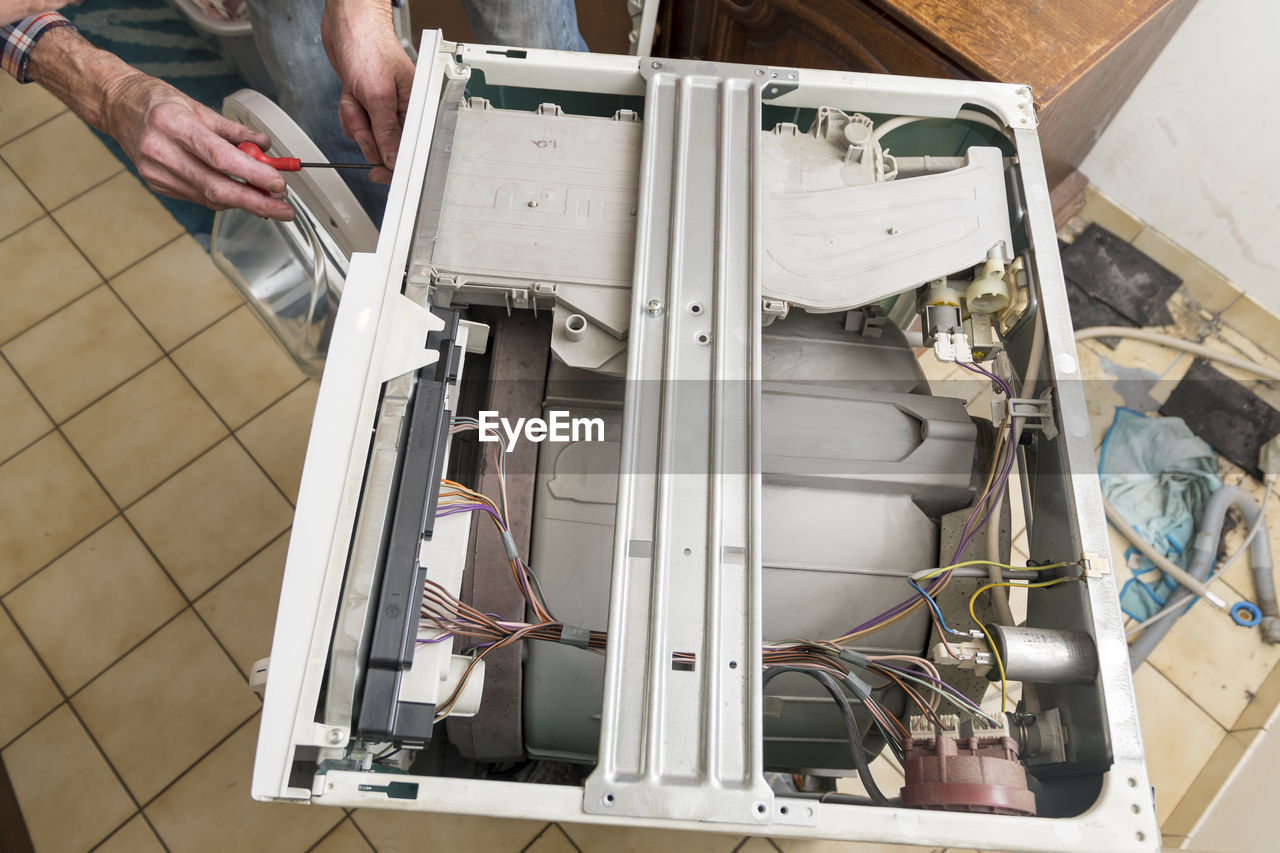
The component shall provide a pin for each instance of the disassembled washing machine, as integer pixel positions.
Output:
(627, 500)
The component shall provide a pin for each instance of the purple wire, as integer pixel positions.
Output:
(973, 368)
(982, 511)
(440, 639)
(472, 507)
(1003, 480)
(951, 691)
(986, 504)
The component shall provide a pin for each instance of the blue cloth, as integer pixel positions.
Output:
(1159, 476)
(287, 33)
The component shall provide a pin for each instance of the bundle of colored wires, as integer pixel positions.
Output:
(988, 501)
(456, 498)
(445, 617)
(1004, 459)
(898, 669)
(464, 424)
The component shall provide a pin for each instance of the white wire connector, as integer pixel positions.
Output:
(967, 654)
(964, 352)
(943, 348)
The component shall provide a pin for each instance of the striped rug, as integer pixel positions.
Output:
(154, 37)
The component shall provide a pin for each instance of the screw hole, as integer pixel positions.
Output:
(687, 552)
(783, 810)
(1141, 836)
(695, 308)
(760, 809)
(703, 337)
(1133, 783)
(808, 812)
(733, 664)
(1135, 808)
(607, 799)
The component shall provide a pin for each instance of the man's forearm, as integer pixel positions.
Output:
(376, 8)
(357, 19)
(77, 73)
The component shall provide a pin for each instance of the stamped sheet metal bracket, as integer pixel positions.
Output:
(681, 725)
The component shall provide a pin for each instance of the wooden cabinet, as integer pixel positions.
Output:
(1081, 58)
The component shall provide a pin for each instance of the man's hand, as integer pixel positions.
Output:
(182, 148)
(376, 76)
(185, 150)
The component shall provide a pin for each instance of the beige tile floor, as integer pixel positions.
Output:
(1209, 687)
(151, 443)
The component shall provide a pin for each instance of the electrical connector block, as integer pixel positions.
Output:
(968, 765)
(955, 726)
(951, 347)
(943, 349)
(968, 654)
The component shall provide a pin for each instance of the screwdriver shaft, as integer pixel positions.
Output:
(335, 165)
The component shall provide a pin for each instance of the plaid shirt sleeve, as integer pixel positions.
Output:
(19, 39)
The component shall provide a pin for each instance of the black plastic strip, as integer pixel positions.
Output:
(395, 624)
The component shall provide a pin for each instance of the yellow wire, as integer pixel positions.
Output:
(1004, 684)
(467, 493)
(919, 602)
(938, 571)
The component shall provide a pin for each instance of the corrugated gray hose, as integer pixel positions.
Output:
(1203, 557)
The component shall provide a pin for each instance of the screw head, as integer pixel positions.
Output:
(654, 307)
(655, 65)
(893, 229)
(759, 72)
(335, 736)
(533, 203)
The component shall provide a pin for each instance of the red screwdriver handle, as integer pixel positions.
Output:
(282, 164)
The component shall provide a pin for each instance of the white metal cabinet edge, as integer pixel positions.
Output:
(1124, 813)
(361, 357)
(1121, 819)
(847, 90)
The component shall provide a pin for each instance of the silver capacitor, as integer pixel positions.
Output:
(1045, 656)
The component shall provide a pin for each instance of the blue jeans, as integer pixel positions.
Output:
(549, 24)
(287, 33)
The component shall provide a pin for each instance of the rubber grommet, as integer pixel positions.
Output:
(1246, 614)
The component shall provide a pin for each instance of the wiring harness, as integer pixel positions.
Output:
(444, 617)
